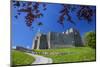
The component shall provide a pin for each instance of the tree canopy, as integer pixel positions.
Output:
(90, 39)
(33, 12)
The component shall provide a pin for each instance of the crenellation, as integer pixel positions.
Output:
(69, 38)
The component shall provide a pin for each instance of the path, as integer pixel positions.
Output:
(41, 60)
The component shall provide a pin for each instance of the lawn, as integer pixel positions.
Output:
(76, 54)
(21, 58)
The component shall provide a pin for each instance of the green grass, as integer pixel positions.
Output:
(21, 58)
(77, 54)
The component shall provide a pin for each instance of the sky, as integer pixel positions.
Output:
(21, 35)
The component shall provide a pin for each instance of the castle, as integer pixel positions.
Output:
(69, 38)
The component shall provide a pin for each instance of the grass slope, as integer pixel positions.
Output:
(77, 54)
(21, 58)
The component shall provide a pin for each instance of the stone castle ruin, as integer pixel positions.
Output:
(69, 38)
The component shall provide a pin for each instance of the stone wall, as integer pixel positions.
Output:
(69, 38)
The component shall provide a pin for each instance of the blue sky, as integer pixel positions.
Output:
(23, 35)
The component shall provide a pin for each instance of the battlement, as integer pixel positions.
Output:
(70, 37)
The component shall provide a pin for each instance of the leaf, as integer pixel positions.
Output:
(16, 16)
(85, 13)
(17, 3)
(23, 10)
(62, 11)
(40, 23)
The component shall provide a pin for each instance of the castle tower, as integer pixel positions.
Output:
(48, 39)
(74, 33)
(36, 40)
(41, 41)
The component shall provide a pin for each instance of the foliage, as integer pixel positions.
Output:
(21, 58)
(90, 39)
(33, 11)
(78, 54)
(40, 24)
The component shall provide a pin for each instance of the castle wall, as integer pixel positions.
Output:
(60, 40)
(70, 38)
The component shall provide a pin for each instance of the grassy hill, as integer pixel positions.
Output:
(21, 58)
(76, 54)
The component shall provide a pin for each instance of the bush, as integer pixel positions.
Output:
(90, 39)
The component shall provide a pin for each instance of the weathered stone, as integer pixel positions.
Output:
(69, 38)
